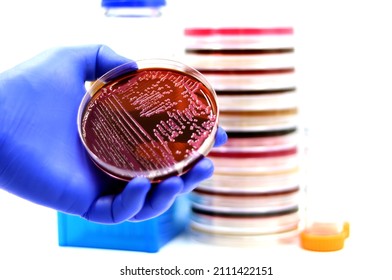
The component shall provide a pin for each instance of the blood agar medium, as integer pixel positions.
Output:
(154, 120)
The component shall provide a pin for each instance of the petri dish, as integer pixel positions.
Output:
(241, 203)
(251, 225)
(230, 59)
(251, 79)
(261, 140)
(234, 38)
(252, 183)
(257, 121)
(245, 230)
(152, 118)
(269, 161)
(243, 241)
(257, 100)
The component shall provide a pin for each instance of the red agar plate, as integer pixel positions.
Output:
(154, 121)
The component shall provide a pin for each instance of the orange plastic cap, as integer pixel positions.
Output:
(324, 237)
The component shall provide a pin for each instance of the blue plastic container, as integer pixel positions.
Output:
(147, 236)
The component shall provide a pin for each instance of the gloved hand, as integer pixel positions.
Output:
(42, 158)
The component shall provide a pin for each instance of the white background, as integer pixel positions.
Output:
(343, 49)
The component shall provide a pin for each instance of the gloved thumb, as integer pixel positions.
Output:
(99, 59)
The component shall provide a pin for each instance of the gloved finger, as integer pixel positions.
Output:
(96, 60)
(117, 208)
(160, 198)
(221, 137)
(200, 172)
(131, 200)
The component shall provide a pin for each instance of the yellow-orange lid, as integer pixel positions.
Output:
(324, 237)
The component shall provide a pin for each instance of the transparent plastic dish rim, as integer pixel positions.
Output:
(127, 68)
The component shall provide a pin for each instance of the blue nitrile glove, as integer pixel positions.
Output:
(42, 158)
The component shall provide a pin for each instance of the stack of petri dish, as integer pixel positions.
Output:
(254, 194)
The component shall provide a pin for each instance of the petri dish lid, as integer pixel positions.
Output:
(152, 119)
